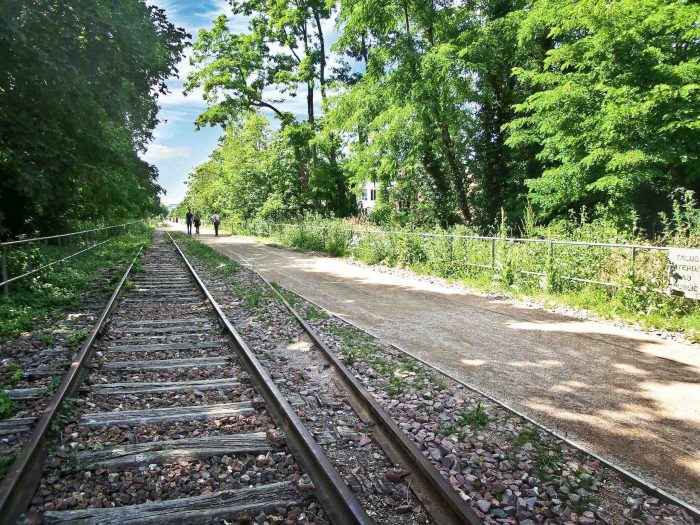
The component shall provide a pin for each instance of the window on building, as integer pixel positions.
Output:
(364, 195)
(373, 195)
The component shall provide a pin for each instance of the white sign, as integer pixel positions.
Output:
(684, 272)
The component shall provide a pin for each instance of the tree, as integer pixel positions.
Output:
(251, 174)
(616, 105)
(410, 51)
(237, 71)
(79, 81)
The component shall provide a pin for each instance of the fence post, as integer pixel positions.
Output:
(550, 274)
(6, 291)
(634, 264)
(30, 265)
(452, 249)
(493, 254)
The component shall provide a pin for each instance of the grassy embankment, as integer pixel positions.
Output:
(60, 289)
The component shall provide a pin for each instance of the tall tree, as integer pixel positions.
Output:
(79, 81)
(410, 47)
(616, 107)
(283, 51)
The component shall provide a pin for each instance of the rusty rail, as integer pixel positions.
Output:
(18, 486)
(337, 499)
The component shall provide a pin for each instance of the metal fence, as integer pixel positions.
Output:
(23, 248)
(549, 261)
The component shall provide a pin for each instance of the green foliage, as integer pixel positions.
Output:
(500, 264)
(58, 289)
(284, 49)
(476, 417)
(6, 460)
(7, 406)
(217, 262)
(76, 337)
(79, 81)
(13, 374)
(616, 104)
(458, 111)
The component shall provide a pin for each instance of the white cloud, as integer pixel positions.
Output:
(161, 152)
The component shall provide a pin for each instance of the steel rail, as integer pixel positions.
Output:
(63, 235)
(626, 474)
(337, 499)
(18, 486)
(434, 491)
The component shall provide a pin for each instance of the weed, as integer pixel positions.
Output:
(15, 374)
(76, 337)
(476, 417)
(547, 461)
(447, 428)
(438, 383)
(253, 296)
(47, 339)
(315, 313)
(62, 417)
(7, 459)
(396, 386)
(529, 435)
(502, 265)
(53, 385)
(215, 261)
(7, 405)
(58, 290)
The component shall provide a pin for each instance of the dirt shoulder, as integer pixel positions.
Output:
(631, 397)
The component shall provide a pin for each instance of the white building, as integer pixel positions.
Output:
(368, 199)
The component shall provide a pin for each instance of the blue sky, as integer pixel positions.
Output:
(178, 147)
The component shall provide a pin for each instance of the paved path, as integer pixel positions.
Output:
(632, 398)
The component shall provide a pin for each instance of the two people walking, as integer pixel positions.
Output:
(191, 218)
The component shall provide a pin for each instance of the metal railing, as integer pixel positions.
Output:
(93, 236)
(597, 263)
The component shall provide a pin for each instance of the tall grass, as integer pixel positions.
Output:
(61, 287)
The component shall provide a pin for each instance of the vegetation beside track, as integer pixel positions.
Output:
(635, 301)
(61, 288)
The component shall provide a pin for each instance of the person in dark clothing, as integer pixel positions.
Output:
(188, 219)
(216, 220)
(197, 222)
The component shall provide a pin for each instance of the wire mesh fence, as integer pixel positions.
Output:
(549, 263)
(24, 258)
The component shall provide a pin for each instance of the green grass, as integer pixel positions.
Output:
(76, 337)
(476, 417)
(13, 374)
(253, 295)
(6, 460)
(58, 289)
(215, 261)
(7, 406)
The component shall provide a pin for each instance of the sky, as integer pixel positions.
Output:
(177, 146)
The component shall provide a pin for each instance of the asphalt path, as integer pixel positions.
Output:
(631, 397)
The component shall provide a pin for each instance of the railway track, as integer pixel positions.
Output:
(175, 420)
(168, 424)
